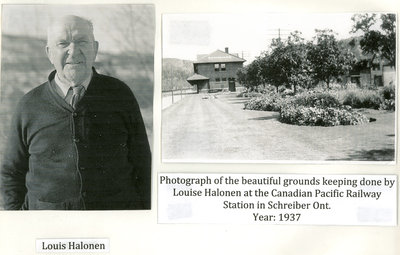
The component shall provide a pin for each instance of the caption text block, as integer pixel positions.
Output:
(278, 199)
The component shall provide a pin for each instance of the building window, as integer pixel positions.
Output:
(195, 69)
(223, 68)
(376, 67)
(223, 79)
(217, 79)
(216, 67)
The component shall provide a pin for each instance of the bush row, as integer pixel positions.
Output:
(270, 102)
(321, 108)
(249, 94)
(274, 101)
(320, 116)
(316, 99)
(308, 109)
(383, 99)
(363, 99)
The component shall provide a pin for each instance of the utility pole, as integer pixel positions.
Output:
(281, 32)
(245, 54)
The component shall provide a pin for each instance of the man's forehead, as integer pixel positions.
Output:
(69, 25)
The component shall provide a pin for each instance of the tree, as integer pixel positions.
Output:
(377, 42)
(286, 63)
(250, 75)
(254, 77)
(242, 76)
(326, 58)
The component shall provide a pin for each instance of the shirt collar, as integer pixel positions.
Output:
(64, 87)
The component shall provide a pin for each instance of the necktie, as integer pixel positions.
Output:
(77, 94)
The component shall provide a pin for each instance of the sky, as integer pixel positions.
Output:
(186, 35)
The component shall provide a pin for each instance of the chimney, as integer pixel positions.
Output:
(226, 50)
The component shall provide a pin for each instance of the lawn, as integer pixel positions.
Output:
(215, 127)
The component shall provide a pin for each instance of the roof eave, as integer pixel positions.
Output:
(214, 62)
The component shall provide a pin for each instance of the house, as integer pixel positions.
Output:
(216, 71)
(370, 70)
(377, 73)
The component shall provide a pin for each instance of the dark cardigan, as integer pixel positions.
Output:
(96, 157)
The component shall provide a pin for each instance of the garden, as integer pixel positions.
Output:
(309, 82)
(318, 107)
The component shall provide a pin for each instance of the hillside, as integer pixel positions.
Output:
(353, 44)
(175, 72)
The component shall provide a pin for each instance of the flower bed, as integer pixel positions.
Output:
(316, 99)
(363, 98)
(320, 116)
(308, 109)
(270, 102)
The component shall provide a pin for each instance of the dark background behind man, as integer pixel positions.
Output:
(126, 33)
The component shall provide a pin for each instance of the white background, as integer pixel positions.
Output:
(138, 232)
(345, 210)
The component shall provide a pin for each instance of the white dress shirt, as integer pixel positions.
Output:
(63, 88)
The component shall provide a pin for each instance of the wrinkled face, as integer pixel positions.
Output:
(71, 49)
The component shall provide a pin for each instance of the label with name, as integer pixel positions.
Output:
(73, 245)
(278, 199)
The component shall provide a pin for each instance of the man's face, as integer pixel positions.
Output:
(71, 49)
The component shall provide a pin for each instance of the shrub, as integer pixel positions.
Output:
(351, 85)
(362, 98)
(249, 94)
(270, 102)
(288, 92)
(268, 89)
(388, 93)
(336, 86)
(320, 99)
(281, 89)
(388, 104)
(319, 116)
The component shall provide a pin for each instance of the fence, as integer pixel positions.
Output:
(170, 97)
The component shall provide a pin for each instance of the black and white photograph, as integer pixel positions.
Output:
(278, 87)
(76, 107)
(202, 127)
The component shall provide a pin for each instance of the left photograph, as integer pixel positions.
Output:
(76, 115)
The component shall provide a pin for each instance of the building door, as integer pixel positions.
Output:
(202, 85)
(378, 81)
(232, 86)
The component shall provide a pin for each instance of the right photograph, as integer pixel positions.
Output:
(279, 87)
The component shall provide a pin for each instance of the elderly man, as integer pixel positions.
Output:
(77, 141)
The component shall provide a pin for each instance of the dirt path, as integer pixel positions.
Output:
(215, 127)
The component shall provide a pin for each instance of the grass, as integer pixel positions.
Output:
(220, 130)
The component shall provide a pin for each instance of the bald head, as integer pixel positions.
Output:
(69, 21)
(71, 48)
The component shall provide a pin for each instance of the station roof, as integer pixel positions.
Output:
(197, 77)
(218, 56)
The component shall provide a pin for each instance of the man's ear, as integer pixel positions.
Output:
(48, 53)
(96, 48)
